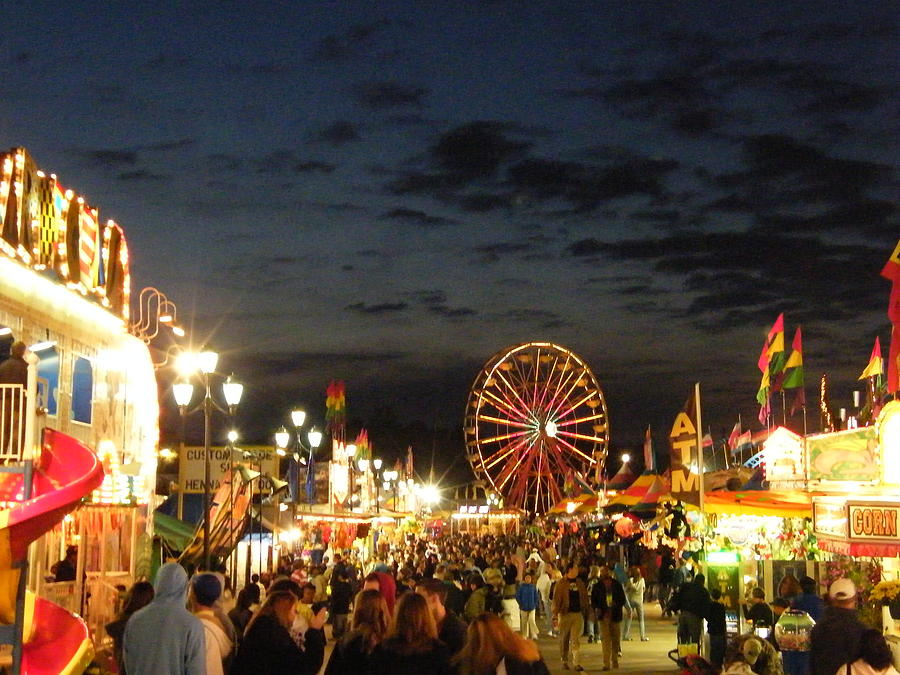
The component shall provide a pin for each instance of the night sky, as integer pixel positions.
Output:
(389, 193)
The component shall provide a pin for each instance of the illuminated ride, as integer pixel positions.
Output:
(65, 292)
(536, 418)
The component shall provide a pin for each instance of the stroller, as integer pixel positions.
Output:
(692, 663)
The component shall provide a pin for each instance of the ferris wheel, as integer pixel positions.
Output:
(535, 415)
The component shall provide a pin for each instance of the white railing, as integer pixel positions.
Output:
(18, 417)
(104, 600)
(64, 594)
(12, 422)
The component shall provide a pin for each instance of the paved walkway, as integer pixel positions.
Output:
(646, 658)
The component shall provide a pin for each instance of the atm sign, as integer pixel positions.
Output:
(873, 521)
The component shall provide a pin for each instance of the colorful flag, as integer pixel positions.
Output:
(774, 343)
(745, 438)
(734, 435)
(876, 363)
(686, 458)
(793, 372)
(771, 364)
(707, 440)
(891, 271)
(335, 409)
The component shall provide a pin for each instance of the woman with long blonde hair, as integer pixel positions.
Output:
(369, 625)
(411, 646)
(490, 642)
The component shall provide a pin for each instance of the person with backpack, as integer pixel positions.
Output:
(477, 602)
(571, 603)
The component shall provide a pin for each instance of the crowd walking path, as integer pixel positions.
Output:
(646, 658)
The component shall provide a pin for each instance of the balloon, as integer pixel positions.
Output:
(625, 527)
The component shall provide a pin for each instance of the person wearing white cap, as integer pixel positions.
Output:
(835, 639)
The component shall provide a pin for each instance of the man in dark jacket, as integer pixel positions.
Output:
(835, 639)
(693, 602)
(339, 607)
(608, 601)
(451, 629)
(716, 625)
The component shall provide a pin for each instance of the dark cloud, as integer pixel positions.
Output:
(476, 150)
(338, 133)
(585, 248)
(167, 62)
(870, 217)
(585, 186)
(416, 217)
(353, 42)
(490, 253)
(378, 95)
(751, 273)
(664, 216)
(537, 318)
(167, 146)
(141, 175)
(783, 168)
(452, 312)
(432, 298)
(274, 363)
(380, 308)
(110, 157)
(481, 202)
(220, 162)
(306, 167)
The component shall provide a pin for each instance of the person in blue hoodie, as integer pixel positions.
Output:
(164, 638)
(527, 597)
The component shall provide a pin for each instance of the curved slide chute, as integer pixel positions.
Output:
(55, 640)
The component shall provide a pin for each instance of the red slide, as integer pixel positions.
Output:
(56, 641)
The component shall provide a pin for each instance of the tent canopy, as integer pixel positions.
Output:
(783, 503)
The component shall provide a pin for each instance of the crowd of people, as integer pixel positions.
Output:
(467, 605)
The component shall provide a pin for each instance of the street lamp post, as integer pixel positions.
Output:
(390, 480)
(205, 362)
(376, 466)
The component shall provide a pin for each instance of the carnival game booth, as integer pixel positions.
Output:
(483, 519)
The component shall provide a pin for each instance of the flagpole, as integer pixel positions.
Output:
(783, 410)
(699, 442)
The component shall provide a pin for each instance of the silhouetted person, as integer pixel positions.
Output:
(66, 569)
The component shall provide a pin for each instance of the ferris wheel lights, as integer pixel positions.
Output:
(626, 458)
(550, 429)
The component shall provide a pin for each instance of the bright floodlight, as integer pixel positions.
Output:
(183, 392)
(626, 458)
(232, 391)
(430, 494)
(282, 438)
(178, 330)
(314, 437)
(207, 361)
(298, 417)
(550, 429)
(186, 363)
(232, 436)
